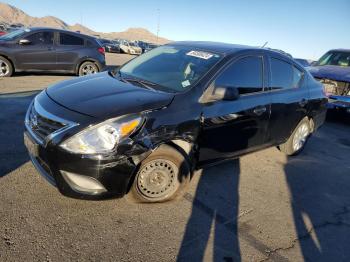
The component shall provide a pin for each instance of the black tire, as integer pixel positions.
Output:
(6, 68)
(167, 167)
(289, 147)
(88, 68)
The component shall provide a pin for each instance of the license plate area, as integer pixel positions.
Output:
(32, 147)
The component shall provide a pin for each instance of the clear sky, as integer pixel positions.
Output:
(304, 28)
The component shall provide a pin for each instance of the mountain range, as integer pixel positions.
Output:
(13, 15)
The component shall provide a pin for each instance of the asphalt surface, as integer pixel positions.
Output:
(263, 206)
(28, 81)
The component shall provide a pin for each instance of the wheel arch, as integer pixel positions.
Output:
(87, 59)
(10, 60)
(312, 124)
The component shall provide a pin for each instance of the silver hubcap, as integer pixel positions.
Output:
(300, 137)
(4, 68)
(89, 69)
(158, 179)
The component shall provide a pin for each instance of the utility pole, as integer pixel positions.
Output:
(158, 24)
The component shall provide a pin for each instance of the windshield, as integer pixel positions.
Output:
(337, 58)
(175, 68)
(14, 34)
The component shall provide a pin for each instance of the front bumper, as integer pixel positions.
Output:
(113, 171)
(135, 52)
(339, 103)
(114, 174)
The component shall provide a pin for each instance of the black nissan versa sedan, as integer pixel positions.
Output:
(143, 129)
(48, 49)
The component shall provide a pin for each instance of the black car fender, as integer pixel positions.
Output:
(185, 143)
(10, 58)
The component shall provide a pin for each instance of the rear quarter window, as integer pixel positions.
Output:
(67, 39)
(90, 43)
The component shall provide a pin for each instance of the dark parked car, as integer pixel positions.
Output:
(45, 49)
(303, 62)
(109, 46)
(146, 46)
(333, 70)
(3, 29)
(145, 128)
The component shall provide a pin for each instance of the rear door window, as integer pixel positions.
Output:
(90, 43)
(41, 38)
(67, 39)
(246, 74)
(284, 75)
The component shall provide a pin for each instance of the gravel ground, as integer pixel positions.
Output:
(263, 206)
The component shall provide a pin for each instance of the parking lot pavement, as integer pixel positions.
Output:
(23, 82)
(263, 206)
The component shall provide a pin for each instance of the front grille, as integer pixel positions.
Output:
(42, 126)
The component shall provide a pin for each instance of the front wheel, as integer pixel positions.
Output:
(162, 176)
(88, 68)
(6, 68)
(297, 141)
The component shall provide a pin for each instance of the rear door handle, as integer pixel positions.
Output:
(303, 102)
(259, 110)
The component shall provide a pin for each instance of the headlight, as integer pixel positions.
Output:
(102, 137)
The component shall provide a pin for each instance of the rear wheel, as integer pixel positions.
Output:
(297, 141)
(162, 176)
(88, 68)
(6, 68)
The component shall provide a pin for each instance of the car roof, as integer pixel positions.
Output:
(33, 29)
(340, 50)
(216, 47)
(225, 48)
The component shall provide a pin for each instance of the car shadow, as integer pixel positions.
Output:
(12, 151)
(339, 117)
(42, 73)
(319, 180)
(214, 210)
(51, 73)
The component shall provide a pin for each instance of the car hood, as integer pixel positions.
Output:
(338, 73)
(103, 96)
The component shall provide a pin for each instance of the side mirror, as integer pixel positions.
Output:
(24, 42)
(225, 93)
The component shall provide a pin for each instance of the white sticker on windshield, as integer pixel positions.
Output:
(200, 54)
(185, 83)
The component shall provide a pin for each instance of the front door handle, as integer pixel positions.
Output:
(303, 102)
(259, 110)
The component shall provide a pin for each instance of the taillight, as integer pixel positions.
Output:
(101, 50)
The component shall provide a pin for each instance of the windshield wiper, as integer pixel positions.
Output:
(144, 83)
(141, 82)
